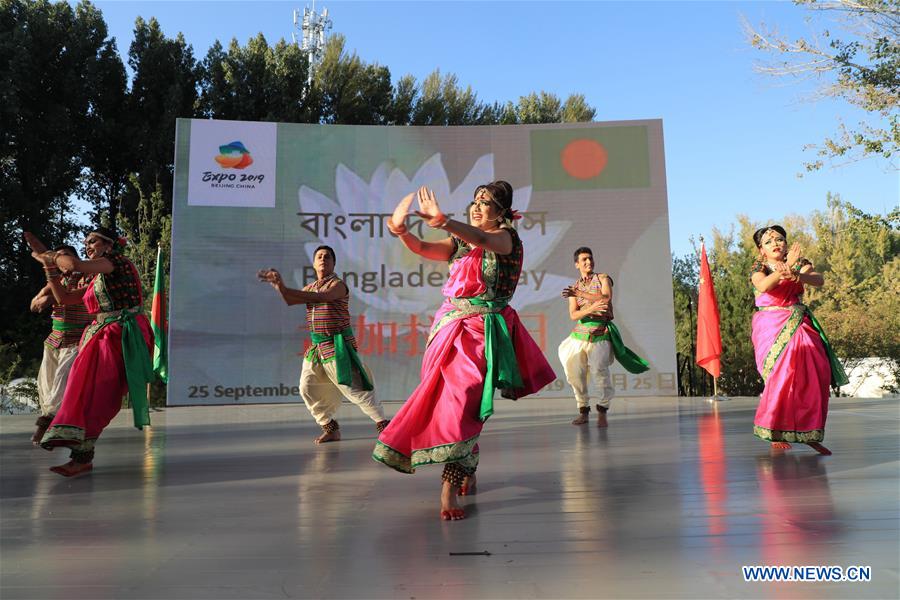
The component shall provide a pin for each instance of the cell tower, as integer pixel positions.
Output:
(312, 26)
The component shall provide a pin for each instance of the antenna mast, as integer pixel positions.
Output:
(313, 27)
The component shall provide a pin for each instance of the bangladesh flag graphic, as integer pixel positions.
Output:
(590, 158)
(159, 320)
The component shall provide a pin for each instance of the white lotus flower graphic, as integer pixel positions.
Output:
(349, 227)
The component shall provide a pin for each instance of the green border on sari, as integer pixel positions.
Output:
(838, 375)
(797, 437)
(782, 339)
(456, 452)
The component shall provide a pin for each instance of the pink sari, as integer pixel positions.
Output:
(795, 365)
(97, 381)
(442, 419)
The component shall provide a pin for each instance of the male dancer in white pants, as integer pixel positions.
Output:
(60, 347)
(331, 368)
(595, 341)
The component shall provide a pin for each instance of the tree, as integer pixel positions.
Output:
(442, 101)
(256, 83)
(109, 155)
(150, 228)
(352, 92)
(863, 69)
(539, 108)
(164, 88)
(52, 55)
(859, 305)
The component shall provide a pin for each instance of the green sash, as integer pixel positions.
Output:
(625, 355)
(63, 326)
(499, 354)
(138, 364)
(345, 357)
(838, 375)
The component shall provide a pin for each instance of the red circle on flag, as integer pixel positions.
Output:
(583, 159)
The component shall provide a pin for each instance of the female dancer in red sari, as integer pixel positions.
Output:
(792, 353)
(477, 343)
(114, 353)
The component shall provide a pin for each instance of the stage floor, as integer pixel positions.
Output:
(669, 502)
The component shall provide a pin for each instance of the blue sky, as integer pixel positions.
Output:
(733, 138)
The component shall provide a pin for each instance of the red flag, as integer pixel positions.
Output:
(709, 339)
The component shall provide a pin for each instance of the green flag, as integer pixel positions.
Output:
(159, 321)
(587, 158)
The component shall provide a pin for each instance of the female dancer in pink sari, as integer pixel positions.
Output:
(477, 343)
(114, 353)
(793, 355)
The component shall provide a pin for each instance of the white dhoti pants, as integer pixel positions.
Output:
(52, 377)
(322, 393)
(582, 361)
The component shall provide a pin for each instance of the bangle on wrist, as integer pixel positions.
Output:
(439, 221)
(398, 231)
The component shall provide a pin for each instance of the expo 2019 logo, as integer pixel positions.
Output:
(234, 156)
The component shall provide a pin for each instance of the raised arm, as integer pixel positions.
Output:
(61, 294)
(68, 263)
(441, 250)
(291, 296)
(499, 242)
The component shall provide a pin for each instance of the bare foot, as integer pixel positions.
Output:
(819, 448)
(72, 469)
(43, 424)
(333, 436)
(469, 486)
(780, 446)
(37, 435)
(581, 419)
(331, 432)
(601, 419)
(450, 508)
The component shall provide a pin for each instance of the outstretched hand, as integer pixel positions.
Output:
(398, 219)
(793, 254)
(34, 243)
(270, 276)
(39, 251)
(428, 205)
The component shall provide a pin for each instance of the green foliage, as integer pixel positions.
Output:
(73, 126)
(862, 67)
(54, 57)
(21, 397)
(859, 305)
(150, 229)
(164, 87)
(731, 260)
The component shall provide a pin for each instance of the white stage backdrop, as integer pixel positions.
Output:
(253, 195)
